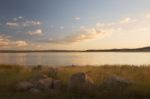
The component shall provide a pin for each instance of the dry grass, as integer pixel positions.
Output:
(140, 75)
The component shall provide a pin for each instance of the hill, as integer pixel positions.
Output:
(143, 49)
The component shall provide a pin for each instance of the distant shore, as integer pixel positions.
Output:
(143, 49)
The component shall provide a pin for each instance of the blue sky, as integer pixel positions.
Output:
(74, 24)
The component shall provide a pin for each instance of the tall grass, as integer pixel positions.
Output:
(10, 75)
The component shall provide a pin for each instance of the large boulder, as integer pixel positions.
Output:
(80, 82)
(115, 82)
(39, 83)
(25, 85)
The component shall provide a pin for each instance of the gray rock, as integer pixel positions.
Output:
(44, 84)
(80, 82)
(34, 91)
(25, 85)
(57, 84)
(38, 77)
(115, 82)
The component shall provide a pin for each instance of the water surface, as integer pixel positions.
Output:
(75, 58)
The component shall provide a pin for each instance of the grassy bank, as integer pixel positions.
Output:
(10, 75)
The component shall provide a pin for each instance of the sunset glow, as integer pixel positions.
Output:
(80, 24)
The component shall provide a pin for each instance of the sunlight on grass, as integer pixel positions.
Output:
(11, 74)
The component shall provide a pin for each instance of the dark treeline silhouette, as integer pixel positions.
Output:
(143, 49)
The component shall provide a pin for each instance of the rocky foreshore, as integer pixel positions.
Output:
(75, 82)
(79, 82)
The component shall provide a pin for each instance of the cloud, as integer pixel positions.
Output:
(3, 41)
(36, 32)
(19, 31)
(84, 34)
(18, 18)
(12, 24)
(7, 42)
(29, 23)
(101, 30)
(19, 27)
(22, 22)
(20, 43)
(125, 20)
(26, 29)
(77, 18)
(61, 27)
(15, 22)
(147, 15)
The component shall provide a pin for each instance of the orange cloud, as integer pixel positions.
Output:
(20, 43)
(6, 42)
(84, 34)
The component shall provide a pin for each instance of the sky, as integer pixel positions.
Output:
(74, 24)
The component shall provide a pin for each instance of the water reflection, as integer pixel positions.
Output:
(62, 59)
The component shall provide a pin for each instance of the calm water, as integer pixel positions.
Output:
(63, 59)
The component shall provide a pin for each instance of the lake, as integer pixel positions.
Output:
(75, 58)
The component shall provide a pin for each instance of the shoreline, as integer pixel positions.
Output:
(61, 66)
(74, 51)
(142, 49)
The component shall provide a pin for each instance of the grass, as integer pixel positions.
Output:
(10, 75)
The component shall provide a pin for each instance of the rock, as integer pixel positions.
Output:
(80, 82)
(25, 85)
(44, 84)
(115, 82)
(34, 91)
(57, 84)
(38, 77)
